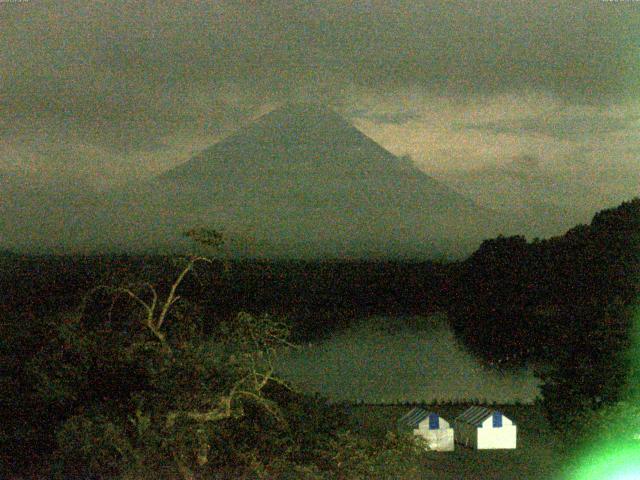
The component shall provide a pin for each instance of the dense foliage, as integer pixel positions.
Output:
(563, 303)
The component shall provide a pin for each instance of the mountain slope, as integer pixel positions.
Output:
(35, 214)
(548, 205)
(300, 151)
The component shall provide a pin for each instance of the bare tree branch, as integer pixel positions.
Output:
(171, 299)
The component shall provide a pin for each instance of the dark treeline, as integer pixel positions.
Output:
(315, 297)
(318, 298)
(564, 303)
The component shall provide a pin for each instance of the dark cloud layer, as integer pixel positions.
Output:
(396, 117)
(560, 126)
(75, 55)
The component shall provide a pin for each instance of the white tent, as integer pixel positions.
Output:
(433, 428)
(482, 428)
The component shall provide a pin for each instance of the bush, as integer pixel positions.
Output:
(615, 423)
(148, 398)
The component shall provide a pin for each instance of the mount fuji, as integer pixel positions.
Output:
(298, 182)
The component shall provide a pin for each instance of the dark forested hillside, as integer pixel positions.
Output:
(565, 302)
(520, 299)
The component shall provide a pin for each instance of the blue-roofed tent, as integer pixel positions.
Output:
(430, 426)
(483, 428)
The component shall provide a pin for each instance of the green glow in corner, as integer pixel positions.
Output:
(618, 461)
(614, 451)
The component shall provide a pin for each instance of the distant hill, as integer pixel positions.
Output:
(299, 182)
(548, 205)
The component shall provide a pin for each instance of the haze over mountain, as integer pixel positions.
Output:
(298, 182)
(38, 215)
(548, 204)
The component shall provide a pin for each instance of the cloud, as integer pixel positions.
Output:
(573, 143)
(560, 125)
(397, 117)
(526, 162)
(581, 49)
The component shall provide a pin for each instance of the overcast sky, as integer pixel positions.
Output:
(106, 91)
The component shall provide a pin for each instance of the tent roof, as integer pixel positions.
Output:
(414, 417)
(475, 415)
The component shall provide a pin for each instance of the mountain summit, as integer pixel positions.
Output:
(294, 134)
